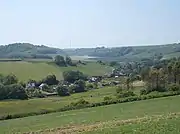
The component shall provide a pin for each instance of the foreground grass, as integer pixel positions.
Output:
(88, 116)
(38, 70)
(159, 125)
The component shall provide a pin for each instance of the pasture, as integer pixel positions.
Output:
(25, 70)
(124, 117)
(52, 103)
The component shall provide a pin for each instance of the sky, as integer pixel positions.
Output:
(90, 23)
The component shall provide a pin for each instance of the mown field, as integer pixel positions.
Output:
(147, 116)
(38, 70)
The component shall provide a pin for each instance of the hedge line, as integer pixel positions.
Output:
(87, 105)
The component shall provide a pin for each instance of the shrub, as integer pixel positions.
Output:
(107, 98)
(80, 102)
(16, 91)
(89, 86)
(124, 94)
(62, 90)
(173, 87)
(143, 92)
(119, 89)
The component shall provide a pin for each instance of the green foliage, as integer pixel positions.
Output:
(50, 80)
(89, 86)
(59, 60)
(173, 87)
(14, 91)
(62, 90)
(113, 63)
(78, 86)
(35, 93)
(10, 79)
(125, 93)
(72, 76)
(107, 98)
(79, 103)
(26, 50)
(68, 61)
(143, 92)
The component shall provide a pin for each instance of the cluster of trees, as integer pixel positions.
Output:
(61, 61)
(162, 77)
(10, 89)
(75, 83)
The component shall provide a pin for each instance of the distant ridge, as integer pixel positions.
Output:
(27, 50)
(130, 53)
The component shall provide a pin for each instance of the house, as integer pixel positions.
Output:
(95, 79)
(30, 85)
(42, 85)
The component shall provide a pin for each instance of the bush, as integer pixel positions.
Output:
(33, 92)
(143, 92)
(80, 102)
(107, 98)
(119, 89)
(62, 90)
(15, 91)
(173, 87)
(125, 94)
(89, 86)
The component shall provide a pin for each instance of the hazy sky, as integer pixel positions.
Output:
(90, 23)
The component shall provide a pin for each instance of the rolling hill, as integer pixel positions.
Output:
(27, 50)
(130, 53)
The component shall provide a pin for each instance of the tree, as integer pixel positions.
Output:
(17, 92)
(59, 60)
(113, 63)
(68, 60)
(10, 79)
(62, 90)
(80, 86)
(50, 80)
(72, 76)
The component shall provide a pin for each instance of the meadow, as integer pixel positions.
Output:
(131, 117)
(37, 70)
(11, 107)
(52, 103)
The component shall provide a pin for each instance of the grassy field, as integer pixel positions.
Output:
(159, 125)
(51, 103)
(38, 70)
(130, 116)
(56, 102)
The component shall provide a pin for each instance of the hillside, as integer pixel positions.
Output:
(27, 50)
(128, 53)
(38, 70)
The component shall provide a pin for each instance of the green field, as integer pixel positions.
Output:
(38, 70)
(52, 103)
(101, 119)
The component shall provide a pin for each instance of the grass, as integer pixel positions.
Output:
(89, 116)
(155, 126)
(51, 103)
(38, 70)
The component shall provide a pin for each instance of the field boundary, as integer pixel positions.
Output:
(97, 104)
(69, 129)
